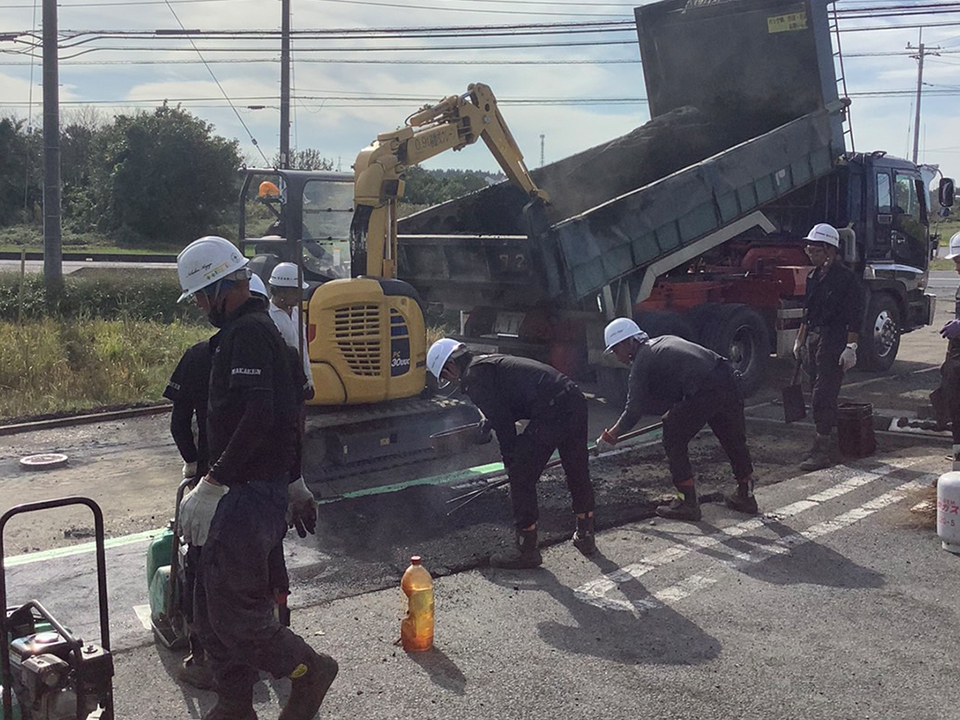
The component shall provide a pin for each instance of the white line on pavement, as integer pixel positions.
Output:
(595, 591)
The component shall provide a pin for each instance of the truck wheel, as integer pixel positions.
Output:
(663, 322)
(739, 333)
(880, 336)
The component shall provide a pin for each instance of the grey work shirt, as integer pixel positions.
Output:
(665, 370)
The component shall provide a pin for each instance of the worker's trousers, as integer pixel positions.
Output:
(826, 376)
(950, 391)
(565, 430)
(719, 404)
(234, 597)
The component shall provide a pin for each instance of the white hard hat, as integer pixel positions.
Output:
(954, 246)
(205, 261)
(257, 286)
(285, 275)
(439, 353)
(823, 233)
(619, 330)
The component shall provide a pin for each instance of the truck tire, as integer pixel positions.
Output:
(663, 322)
(880, 336)
(739, 333)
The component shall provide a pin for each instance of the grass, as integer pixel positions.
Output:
(15, 238)
(65, 366)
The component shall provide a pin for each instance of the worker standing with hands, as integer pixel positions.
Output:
(690, 386)
(252, 433)
(950, 370)
(286, 293)
(507, 389)
(827, 340)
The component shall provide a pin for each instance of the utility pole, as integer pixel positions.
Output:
(52, 237)
(541, 149)
(285, 85)
(922, 51)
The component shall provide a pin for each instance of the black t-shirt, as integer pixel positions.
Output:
(252, 370)
(507, 389)
(834, 300)
(188, 390)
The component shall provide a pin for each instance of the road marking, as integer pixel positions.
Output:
(595, 591)
(80, 549)
(143, 615)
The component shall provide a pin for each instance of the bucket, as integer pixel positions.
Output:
(455, 440)
(855, 430)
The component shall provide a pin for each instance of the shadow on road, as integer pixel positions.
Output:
(441, 669)
(653, 635)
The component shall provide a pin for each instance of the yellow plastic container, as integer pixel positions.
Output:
(416, 629)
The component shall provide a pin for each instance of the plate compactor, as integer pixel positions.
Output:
(48, 672)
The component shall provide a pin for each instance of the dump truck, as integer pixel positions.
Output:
(693, 224)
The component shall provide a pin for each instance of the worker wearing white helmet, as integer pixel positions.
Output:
(286, 293)
(252, 435)
(949, 406)
(690, 386)
(826, 342)
(507, 389)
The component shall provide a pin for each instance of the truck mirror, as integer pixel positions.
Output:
(946, 192)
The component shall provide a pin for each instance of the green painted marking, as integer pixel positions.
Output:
(81, 548)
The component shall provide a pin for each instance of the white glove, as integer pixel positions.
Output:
(605, 442)
(301, 508)
(197, 509)
(189, 470)
(848, 358)
(797, 347)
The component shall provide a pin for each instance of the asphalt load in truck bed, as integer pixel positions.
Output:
(575, 184)
(373, 538)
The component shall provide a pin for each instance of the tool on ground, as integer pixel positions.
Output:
(469, 497)
(54, 674)
(416, 629)
(794, 407)
(165, 581)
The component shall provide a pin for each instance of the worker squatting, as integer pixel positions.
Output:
(248, 384)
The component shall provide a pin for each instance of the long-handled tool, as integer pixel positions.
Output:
(469, 497)
(793, 406)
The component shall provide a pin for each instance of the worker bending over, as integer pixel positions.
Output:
(690, 386)
(507, 389)
(827, 340)
(252, 433)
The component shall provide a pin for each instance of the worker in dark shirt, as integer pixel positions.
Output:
(950, 370)
(252, 433)
(188, 389)
(690, 386)
(827, 340)
(507, 389)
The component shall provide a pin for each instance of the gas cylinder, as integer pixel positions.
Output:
(948, 510)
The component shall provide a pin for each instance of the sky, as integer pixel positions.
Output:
(556, 100)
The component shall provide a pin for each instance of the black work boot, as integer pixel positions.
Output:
(309, 682)
(682, 507)
(230, 711)
(819, 457)
(743, 500)
(524, 556)
(196, 672)
(583, 538)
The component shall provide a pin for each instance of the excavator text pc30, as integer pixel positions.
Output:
(365, 330)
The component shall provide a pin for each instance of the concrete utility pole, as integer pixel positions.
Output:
(52, 238)
(541, 149)
(285, 86)
(922, 51)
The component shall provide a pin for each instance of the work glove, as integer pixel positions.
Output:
(189, 470)
(605, 442)
(196, 511)
(848, 358)
(951, 331)
(484, 432)
(301, 508)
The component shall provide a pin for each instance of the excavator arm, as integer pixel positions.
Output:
(451, 124)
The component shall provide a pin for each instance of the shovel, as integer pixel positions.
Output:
(793, 405)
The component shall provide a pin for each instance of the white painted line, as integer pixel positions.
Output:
(596, 589)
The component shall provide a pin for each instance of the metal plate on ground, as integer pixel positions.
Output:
(45, 461)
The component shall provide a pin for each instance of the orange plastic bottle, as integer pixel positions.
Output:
(416, 629)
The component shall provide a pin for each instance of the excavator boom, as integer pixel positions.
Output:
(451, 124)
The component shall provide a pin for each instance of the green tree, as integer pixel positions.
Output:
(308, 159)
(20, 176)
(163, 176)
(431, 187)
